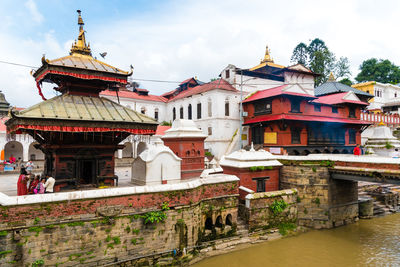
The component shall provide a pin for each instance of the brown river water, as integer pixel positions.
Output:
(374, 242)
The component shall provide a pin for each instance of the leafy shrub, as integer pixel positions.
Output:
(278, 206)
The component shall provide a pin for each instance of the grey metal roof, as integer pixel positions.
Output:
(336, 87)
(83, 108)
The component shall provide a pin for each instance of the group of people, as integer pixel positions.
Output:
(31, 184)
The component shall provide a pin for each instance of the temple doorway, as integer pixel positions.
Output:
(87, 172)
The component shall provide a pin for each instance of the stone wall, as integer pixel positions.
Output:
(105, 230)
(259, 210)
(322, 202)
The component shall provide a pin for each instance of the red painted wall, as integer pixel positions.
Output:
(191, 151)
(246, 177)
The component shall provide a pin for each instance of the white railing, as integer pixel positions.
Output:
(389, 119)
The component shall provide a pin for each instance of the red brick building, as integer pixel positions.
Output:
(257, 170)
(288, 118)
(187, 142)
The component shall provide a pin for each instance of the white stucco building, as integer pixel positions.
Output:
(214, 106)
(386, 96)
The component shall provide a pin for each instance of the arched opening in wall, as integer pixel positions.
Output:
(127, 151)
(181, 113)
(305, 152)
(35, 154)
(336, 151)
(295, 152)
(15, 149)
(228, 220)
(143, 110)
(218, 222)
(327, 151)
(227, 106)
(190, 112)
(174, 114)
(316, 151)
(156, 114)
(345, 151)
(208, 224)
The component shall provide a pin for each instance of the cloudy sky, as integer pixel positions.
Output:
(177, 39)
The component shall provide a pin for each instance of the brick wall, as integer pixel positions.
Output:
(247, 177)
(105, 230)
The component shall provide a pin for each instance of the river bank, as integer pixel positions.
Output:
(372, 242)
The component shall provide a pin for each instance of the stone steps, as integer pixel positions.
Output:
(242, 229)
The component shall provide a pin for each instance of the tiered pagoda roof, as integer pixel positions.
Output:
(80, 79)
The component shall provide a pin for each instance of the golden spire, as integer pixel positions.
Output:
(80, 47)
(267, 57)
(331, 78)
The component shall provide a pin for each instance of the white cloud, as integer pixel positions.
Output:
(32, 8)
(199, 38)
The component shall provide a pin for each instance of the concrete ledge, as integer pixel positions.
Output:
(247, 190)
(272, 194)
(112, 192)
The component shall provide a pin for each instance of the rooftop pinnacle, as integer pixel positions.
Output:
(80, 46)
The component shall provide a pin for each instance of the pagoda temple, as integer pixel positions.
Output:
(79, 131)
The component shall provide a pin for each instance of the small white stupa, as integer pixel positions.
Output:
(382, 142)
(155, 165)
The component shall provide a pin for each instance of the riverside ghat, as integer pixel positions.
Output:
(174, 211)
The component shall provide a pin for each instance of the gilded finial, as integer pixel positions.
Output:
(331, 78)
(80, 46)
(267, 57)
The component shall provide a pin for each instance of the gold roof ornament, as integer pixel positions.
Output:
(331, 78)
(267, 57)
(267, 61)
(79, 46)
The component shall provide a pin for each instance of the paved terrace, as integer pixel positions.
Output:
(8, 181)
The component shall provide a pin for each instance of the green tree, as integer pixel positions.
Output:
(380, 70)
(317, 57)
(300, 54)
(346, 81)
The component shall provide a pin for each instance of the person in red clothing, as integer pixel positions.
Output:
(21, 184)
(357, 150)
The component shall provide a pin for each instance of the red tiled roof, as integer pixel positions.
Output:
(303, 118)
(161, 129)
(275, 91)
(217, 84)
(134, 95)
(169, 93)
(336, 99)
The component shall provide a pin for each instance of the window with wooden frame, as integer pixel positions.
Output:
(317, 108)
(262, 107)
(261, 183)
(295, 134)
(352, 136)
(295, 105)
